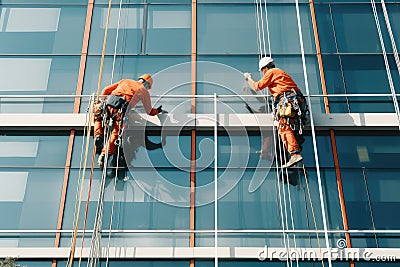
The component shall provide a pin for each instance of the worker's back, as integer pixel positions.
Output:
(127, 88)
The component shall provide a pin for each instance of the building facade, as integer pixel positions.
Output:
(207, 198)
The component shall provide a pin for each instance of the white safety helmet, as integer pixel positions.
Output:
(264, 62)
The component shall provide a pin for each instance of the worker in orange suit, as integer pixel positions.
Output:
(130, 92)
(278, 83)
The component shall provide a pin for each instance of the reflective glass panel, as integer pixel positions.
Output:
(30, 198)
(169, 29)
(359, 74)
(127, 23)
(226, 29)
(41, 76)
(49, 29)
(350, 28)
(33, 149)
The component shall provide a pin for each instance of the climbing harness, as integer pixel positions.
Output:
(292, 106)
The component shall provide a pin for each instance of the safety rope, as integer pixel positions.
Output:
(95, 248)
(281, 194)
(389, 27)
(370, 206)
(119, 135)
(387, 66)
(103, 52)
(87, 206)
(81, 183)
(313, 212)
(313, 133)
(340, 58)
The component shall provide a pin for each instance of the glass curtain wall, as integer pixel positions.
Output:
(41, 53)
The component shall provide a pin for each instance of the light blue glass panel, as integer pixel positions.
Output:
(169, 29)
(284, 31)
(49, 29)
(359, 74)
(226, 29)
(135, 207)
(33, 149)
(371, 151)
(30, 198)
(41, 76)
(350, 27)
(231, 34)
(127, 23)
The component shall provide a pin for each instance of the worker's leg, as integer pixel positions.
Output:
(289, 139)
(113, 137)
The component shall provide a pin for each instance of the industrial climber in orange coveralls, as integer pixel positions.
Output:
(278, 83)
(133, 92)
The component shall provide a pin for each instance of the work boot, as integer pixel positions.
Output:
(100, 160)
(98, 143)
(293, 160)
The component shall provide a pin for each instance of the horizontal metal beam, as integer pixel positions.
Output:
(252, 253)
(355, 121)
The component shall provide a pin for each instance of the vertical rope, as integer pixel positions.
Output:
(389, 28)
(103, 50)
(313, 133)
(370, 206)
(340, 58)
(389, 75)
(267, 25)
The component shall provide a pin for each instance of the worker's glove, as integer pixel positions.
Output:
(159, 109)
(247, 75)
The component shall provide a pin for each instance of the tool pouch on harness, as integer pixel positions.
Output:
(117, 102)
(293, 107)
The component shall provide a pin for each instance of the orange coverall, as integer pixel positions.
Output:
(134, 91)
(279, 82)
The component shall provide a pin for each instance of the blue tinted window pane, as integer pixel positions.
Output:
(127, 23)
(378, 151)
(369, 194)
(226, 29)
(169, 29)
(41, 76)
(238, 25)
(158, 209)
(359, 74)
(34, 149)
(131, 67)
(49, 29)
(352, 25)
(283, 29)
(30, 198)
